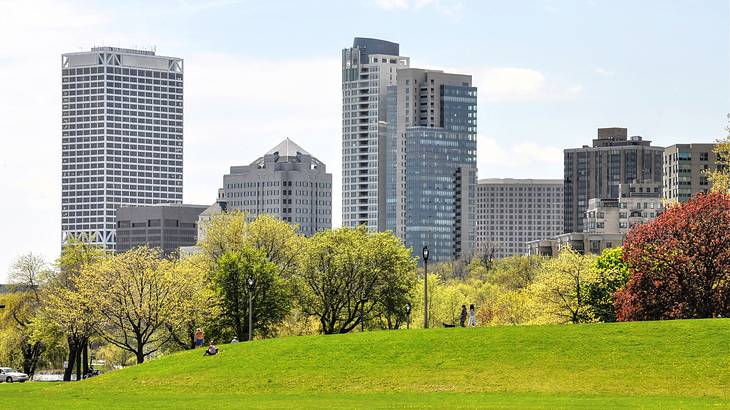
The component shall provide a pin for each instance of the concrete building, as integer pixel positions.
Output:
(287, 182)
(597, 171)
(685, 168)
(167, 227)
(122, 137)
(435, 173)
(512, 212)
(368, 68)
(637, 203)
(607, 220)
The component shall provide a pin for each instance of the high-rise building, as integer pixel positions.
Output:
(597, 171)
(512, 212)
(435, 169)
(368, 68)
(287, 182)
(122, 137)
(167, 227)
(685, 170)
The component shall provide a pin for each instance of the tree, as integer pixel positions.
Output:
(277, 239)
(201, 307)
(679, 263)
(136, 296)
(346, 273)
(720, 178)
(270, 297)
(28, 274)
(485, 253)
(561, 288)
(515, 272)
(67, 311)
(612, 273)
(397, 278)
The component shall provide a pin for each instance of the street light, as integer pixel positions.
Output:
(424, 253)
(251, 284)
(408, 315)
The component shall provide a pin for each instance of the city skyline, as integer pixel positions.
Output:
(671, 90)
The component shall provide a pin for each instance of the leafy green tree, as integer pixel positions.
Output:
(561, 289)
(612, 273)
(720, 178)
(28, 275)
(230, 231)
(66, 311)
(515, 272)
(202, 307)
(136, 297)
(271, 299)
(346, 274)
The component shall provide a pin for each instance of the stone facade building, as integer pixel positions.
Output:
(287, 182)
(512, 212)
(685, 170)
(597, 171)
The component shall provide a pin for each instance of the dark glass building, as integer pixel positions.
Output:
(436, 175)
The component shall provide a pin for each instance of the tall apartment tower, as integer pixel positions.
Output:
(368, 68)
(435, 162)
(287, 182)
(122, 137)
(512, 212)
(685, 170)
(597, 171)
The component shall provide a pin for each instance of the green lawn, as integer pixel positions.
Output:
(671, 364)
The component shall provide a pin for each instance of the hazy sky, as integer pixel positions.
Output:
(549, 73)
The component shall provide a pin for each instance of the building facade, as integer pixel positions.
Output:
(637, 203)
(167, 227)
(607, 220)
(512, 212)
(685, 170)
(435, 165)
(597, 171)
(368, 68)
(122, 137)
(287, 182)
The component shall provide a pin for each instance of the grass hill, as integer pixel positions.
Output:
(671, 364)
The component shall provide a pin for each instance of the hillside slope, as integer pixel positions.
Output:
(647, 364)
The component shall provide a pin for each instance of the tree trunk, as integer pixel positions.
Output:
(78, 362)
(68, 371)
(140, 356)
(86, 355)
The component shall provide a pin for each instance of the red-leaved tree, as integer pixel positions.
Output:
(679, 264)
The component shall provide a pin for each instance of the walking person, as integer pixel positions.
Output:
(199, 338)
(462, 319)
(472, 316)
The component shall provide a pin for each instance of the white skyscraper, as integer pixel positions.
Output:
(368, 68)
(122, 136)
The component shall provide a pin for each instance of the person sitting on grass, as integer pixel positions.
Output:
(211, 351)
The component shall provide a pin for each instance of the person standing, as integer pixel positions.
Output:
(462, 319)
(472, 316)
(199, 338)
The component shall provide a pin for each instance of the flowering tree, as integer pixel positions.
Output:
(679, 264)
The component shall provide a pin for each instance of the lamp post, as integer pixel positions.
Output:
(251, 283)
(424, 253)
(408, 315)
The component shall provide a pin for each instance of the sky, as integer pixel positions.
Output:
(548, 72)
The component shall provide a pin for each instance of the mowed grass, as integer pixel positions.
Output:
(670, 364)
